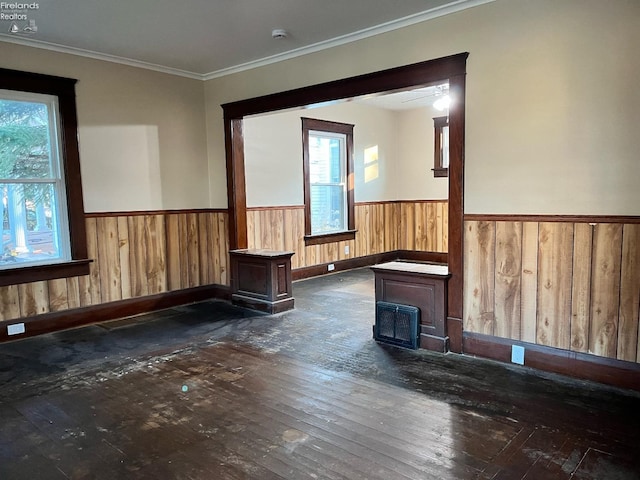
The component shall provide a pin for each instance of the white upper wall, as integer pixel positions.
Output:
(552, 107)
(141, 133)
(404, 142)
(552, 110)
(413, 173)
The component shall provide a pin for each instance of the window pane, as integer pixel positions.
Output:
(445, 147)
(324, 159)
(25, 143)
(327, 209)
(30, 227)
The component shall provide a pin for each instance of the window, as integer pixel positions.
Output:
(441, 147)
(41, 210)
(328, 185)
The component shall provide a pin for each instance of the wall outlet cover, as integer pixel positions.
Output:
(15, 329)
(517, 354)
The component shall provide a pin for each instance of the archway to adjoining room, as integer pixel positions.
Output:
(450, 69)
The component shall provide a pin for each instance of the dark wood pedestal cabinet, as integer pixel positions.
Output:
(261, 280)
(419, 285)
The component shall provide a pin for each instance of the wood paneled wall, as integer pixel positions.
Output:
(134, 255)
(381, 227)
(569, 285)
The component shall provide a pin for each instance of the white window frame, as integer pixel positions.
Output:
(342, 183)
(56, 177)
(328, 128)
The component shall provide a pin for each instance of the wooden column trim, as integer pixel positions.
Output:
(236, 187)
(456, 209)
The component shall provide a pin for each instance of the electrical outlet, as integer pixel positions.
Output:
(517, 354)
(331, 267)
(346, 249)
(15, 329)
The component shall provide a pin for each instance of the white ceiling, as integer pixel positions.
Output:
(406, 99)
(209, 38)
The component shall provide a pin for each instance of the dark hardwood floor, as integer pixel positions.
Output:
(209, 391)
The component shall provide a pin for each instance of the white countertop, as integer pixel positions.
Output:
(410, 267)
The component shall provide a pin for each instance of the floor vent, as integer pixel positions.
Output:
(396, 324)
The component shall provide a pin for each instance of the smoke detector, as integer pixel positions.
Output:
(279, 33)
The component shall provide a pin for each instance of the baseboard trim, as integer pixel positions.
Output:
(367, 261)
(433, 343)
(585, 366)
(454, 331)
(260, 305)
(78, 317)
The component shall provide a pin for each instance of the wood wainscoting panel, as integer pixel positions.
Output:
(108, 251)
(205, 266)
(508, 275)
(184, 244)
(581, 288)
(155, 238)
(134, 254)
(33, 298)
(579, 283)
(125, 257)
(58, 294)
(380, 227)
(193, 250)
(93, 279)
(407, 240)
(174, 277)
(605, 289)
(529, 282)
(628, 345)
(479, 277)
(555, 243)
(73, 292)
(9, 302)
(137, 257)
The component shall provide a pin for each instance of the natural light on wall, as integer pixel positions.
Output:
(371, 164)
(122, 157)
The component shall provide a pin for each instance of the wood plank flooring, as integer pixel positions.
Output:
(214, 392)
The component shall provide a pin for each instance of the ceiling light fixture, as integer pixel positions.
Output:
(442, 103)
(279, 33)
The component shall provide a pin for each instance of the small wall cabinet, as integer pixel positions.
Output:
(261, 280)
(419, 285)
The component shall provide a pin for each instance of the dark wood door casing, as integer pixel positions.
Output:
(451, 68)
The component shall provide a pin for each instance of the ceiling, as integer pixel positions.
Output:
(406, 99)
(209, 38)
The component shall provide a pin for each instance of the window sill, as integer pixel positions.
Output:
(329, 237)
(73, 268)
(440, 172)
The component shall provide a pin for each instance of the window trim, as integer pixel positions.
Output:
(438, 125)
(309, 124)
(64, 90)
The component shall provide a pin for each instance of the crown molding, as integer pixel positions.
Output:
(454, 7)
(448, 9)
(30, 42)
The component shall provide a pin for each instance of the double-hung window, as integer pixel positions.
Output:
(441, 147)
(35, 229)
(41, 211)
(328, 187)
